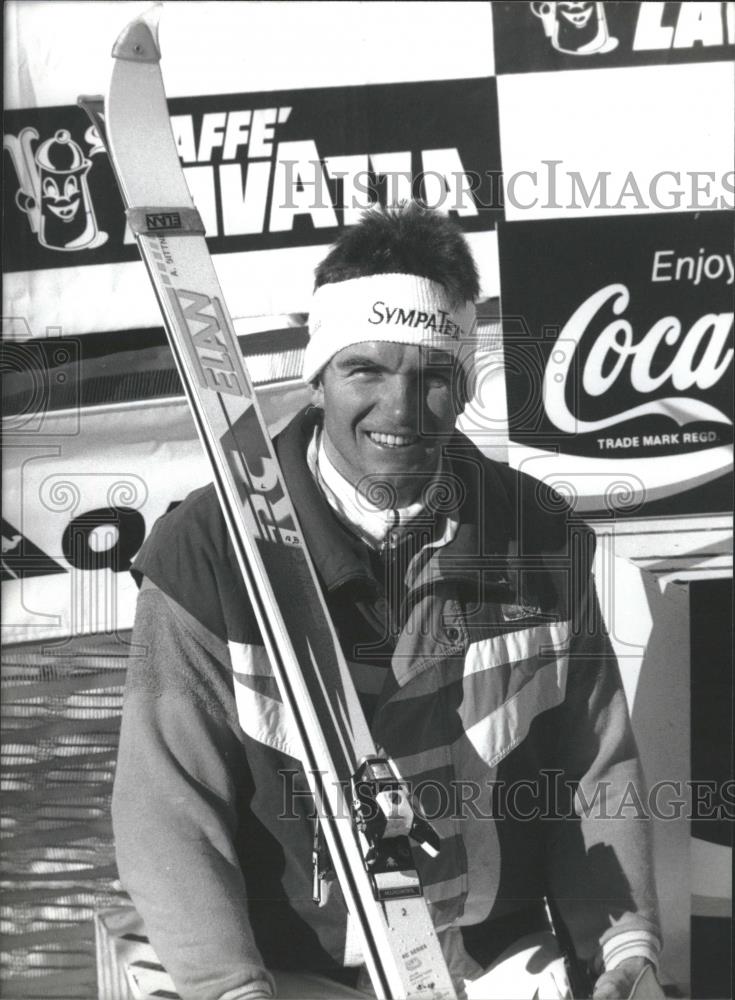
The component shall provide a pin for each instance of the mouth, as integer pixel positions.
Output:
(578, 20)
(65, 212)
(393, 440)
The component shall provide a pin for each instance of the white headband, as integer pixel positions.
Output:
(400, 308)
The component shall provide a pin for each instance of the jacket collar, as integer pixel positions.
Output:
(487, 522)
(339, 556)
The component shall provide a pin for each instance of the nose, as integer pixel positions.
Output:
(401, 402)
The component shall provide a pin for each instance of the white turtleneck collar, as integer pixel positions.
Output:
(371, 523)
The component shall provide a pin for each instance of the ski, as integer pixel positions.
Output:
(364, 808)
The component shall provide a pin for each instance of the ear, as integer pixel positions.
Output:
(461, 389)
(317, 392)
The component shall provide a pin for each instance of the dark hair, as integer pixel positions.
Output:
(407, 239)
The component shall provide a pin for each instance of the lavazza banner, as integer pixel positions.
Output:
(267, 171)
(619, 364)
(562, 34)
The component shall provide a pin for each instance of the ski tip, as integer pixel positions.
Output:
(95, 102)
(138, 42)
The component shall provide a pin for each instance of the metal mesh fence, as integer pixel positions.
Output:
(60, 723)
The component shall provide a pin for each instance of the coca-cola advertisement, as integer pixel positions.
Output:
(618, 358)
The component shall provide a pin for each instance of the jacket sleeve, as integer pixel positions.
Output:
(180, 774)
(599, 859)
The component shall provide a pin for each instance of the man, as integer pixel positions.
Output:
(461, 595)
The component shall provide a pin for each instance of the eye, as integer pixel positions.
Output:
(71, 187)
(49, 188)
(364, 369)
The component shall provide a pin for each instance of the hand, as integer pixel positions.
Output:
(618, 982)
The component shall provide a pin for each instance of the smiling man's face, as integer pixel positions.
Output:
(387, 410)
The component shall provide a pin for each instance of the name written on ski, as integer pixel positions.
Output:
(210, 344)
(213, 348)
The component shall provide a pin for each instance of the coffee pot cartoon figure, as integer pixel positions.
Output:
(577, 29)
(53, 190)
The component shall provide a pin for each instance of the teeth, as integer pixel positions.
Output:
(393, 440)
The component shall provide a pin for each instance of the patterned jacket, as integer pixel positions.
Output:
(488, 678)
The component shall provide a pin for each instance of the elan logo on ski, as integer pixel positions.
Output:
(156, 221)
(212, 347)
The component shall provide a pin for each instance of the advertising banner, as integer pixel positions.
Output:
(278, 171)
(548, 35)
(618, 358)
(82, 490)
(267, 171)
